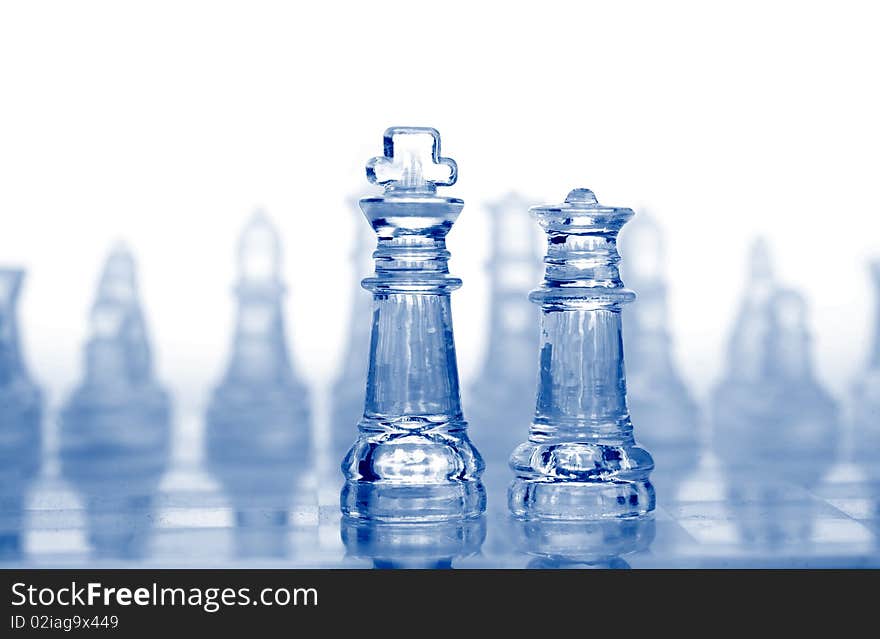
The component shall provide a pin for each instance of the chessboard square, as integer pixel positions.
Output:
(857, 507)
(43, 544)
(669, 537)
(701, 491)
(846, 532)
(182, 546)
(705, 510)
(709, 532)
(195, 518)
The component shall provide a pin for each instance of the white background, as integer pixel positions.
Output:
(166, 123)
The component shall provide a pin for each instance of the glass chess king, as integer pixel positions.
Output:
(412, 459)
(581, 460)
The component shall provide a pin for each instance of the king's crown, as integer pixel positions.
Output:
(412, 162)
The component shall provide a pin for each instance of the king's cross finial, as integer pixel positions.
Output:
(412, 161)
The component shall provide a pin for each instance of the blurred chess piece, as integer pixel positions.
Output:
(743, 403)
(866, 404)
(776, 427)
(808, 428)
(115, 427)
(583, 544)
(347, 395)
(412, 544)
(502, 398)
(21, 410)
(658, 400)
(258, 433)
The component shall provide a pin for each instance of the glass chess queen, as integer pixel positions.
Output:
(412, 459)
(581, 460)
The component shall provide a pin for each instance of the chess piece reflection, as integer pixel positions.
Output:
(775, 425)
(348, 390)
(658, 400)
(583, 544)
(115, 427)
(431, 544)
(412, 458)
(581, 461)
(258, 434)
(502, 398)
(21, 409)
(866, 408)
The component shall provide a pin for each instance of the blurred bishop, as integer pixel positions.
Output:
(258, 432)
(115, 427)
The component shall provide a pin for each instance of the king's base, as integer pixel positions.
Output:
(382, 501)
(580, 500)
(427, 454)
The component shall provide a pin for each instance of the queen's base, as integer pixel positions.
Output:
(582, 481)
(580, 500)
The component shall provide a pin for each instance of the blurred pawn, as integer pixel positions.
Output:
(347, 395)
(21, 409)
(658, 400)
(258, 432)
(866, 410)
(115, 427)
(583, 544)
(417, 544)
(501, 401)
